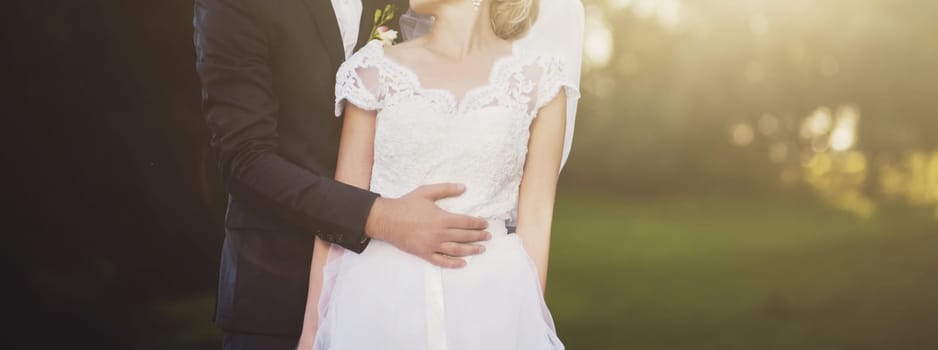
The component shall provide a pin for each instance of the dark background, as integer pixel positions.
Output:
(111, 189)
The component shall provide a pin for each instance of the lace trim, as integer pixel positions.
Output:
(522, 82)
(447, 98)
(553, 79)
(349, 85)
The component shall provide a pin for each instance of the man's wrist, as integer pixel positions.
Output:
(374, 218)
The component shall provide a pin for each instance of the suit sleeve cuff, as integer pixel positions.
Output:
(348, 230)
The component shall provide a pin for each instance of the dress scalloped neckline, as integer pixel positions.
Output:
(454, 104)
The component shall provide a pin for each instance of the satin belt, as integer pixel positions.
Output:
(436, 313)
(497, 228)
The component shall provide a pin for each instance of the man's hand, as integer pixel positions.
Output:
(415, 224)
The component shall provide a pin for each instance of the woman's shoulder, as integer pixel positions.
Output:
(375, 56)
(368, 56)
(408, 54)
(406, 47)
(536, 58)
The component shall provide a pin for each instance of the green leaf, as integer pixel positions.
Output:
(389, 14)
(377, 15)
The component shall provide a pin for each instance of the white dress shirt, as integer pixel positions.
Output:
(349, 15)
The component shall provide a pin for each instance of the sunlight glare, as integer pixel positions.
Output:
(668, 13)
(620, 4)
(845, 130)
(817, 124)
(598, 45)
(742, 134)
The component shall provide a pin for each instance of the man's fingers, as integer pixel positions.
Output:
(465, 222)
(466, 236)
(439, 191)
(446, 261)
(454, 249)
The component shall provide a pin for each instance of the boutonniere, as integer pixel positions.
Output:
(380, 31)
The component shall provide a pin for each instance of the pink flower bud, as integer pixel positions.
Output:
(382, 29)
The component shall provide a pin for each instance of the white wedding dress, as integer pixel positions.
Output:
(384, 298)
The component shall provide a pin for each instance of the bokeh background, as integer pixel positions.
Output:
(747, 174)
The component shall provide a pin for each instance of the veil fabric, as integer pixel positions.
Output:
(559, 31)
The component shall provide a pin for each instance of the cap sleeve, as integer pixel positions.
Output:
(359, 82)
(554, 77)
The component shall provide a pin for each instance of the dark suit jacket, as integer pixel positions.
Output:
(268, 74)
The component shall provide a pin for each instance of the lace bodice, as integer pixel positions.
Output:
(426, 136)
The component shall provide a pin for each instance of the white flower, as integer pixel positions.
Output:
(386, 36)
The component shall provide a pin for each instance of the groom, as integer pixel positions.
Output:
(268, 74)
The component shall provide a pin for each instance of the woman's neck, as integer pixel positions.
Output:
(460, 31)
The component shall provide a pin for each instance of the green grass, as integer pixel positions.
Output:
(179, 325)
(717, 273)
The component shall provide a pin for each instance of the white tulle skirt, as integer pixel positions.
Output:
(387, 299)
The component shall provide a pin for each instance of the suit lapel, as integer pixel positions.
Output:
(367, 22)
(324, 16)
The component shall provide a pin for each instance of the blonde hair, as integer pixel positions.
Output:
(511, 19)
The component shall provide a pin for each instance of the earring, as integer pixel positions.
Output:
(476, 4)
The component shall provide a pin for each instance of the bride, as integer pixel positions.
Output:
(462, 104)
